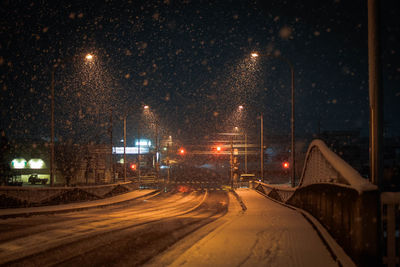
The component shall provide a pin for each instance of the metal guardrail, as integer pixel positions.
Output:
(390, 214)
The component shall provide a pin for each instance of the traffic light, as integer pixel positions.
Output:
(132, 166)
(217, 149)
(285, 165)
(182, 151)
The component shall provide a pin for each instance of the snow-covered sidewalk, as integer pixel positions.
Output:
(266, 234)
(5, 213)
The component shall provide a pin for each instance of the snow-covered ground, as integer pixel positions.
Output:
(266, 234)
(15, 212)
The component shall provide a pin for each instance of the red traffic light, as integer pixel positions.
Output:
(217, 148)
(285, 165)
(132, 166)
(182, 151)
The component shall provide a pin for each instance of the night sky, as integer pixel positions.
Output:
(190, 61)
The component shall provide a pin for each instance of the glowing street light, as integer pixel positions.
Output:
(254, 55)
(240, 107)
(89, 57)
(146, 107)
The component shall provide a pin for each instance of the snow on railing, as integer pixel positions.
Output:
(324, 166)
(278, 192)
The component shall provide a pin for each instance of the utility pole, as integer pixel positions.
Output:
(376, 114)
(262, 149)
(125, 148)
(231, 161)
(138, 167)
(111, 144)
(168, 165)
(52, 165)
(375, 95)
(245, 152)
(293, 148)
(157, 155)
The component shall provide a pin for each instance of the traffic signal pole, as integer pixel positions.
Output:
(125, 148)
(245, 152)
(262, 150)
(231, 161)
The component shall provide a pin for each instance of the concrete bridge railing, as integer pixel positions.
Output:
(344, 202)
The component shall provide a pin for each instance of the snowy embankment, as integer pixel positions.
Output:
(12, 197)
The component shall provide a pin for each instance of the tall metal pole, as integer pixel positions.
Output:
(231, 161)
(52, 129)
(157, 154)
(245, 152)
(262, 149)
(293, 170)
(111, 144)
(292, 123)
(168, 165)
(125, 148)
(375, 95)
(138, 167)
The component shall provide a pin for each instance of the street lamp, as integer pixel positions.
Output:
(88, 57)
(293, 158)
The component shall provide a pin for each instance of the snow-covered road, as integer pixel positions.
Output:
(104, 235)
(266, 234)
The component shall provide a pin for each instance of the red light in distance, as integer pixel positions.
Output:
(285, 165)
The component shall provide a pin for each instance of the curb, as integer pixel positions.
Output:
(239, 199)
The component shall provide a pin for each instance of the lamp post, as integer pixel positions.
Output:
(375, 95)
(125, 147)
(262, 148)
(241, 107)
(88, 57)
(292, 120)
(154, 120)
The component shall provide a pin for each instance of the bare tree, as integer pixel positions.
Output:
(69, 157)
